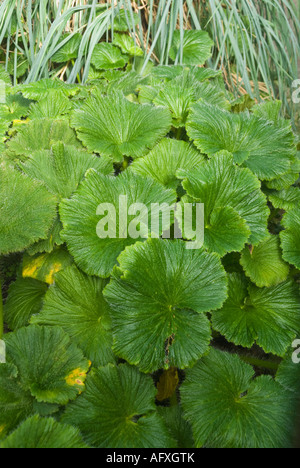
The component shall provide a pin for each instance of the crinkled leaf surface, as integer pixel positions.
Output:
(43, 267)
(40, 89)
(127, 45)
(63, 167)
(50, 367)
(98, 255)
(228, 409)
(113, 126)
(219, 184)
(39, 135)
(268, 316)
(55, 105)
(285, 199)
(196, 47)
(106, 56)
(53, 240)
(264, 148)
(46, 433)
(158, 296)
(15, 107)
(178, 427)
(69, 50)
(165, 159)
(27, 210)
(264, 264)
(25, 298)
(117, 410)
(290, 237)
(75, 302)
(15, 403)
(288, 374)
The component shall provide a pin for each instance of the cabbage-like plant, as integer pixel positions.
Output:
(120, 335)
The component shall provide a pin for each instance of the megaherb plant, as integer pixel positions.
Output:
(144, 342)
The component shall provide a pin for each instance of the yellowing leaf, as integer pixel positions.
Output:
(167, 384)
(43, 267)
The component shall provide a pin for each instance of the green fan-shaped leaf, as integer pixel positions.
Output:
(51, 367)
(117, 410)
(53, 239)
(285, 199)
(115, 127)
(179, 429)
(106, 56)
(197, 47)
(14, 108)
(25, 298)
(246, 137)
(43, 267)
(37, 432)
(263, 264)
(158, 296)
(69, 50)
(98, 255)
(286, 180)
(54, 106)
(178, 100)
(38, 135)
(290, 237)
(220, 184)
(269, 110)
(63, 167)
(27, 210)
(75, 302)
(15, 403)
(268, 316)
(167, 72)
(127, 45)
(229, 409)
(165, 159)
(40, 89)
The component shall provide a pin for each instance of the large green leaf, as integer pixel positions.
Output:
(286, 180)
(165, 159)
(158, 296)
(264, 264)
(179, 429)
(264, 148)
(15, 403)
(44, 267)
(233, 203)
(106, 56)
(63, 167)
(290, 237)
(40, 89)
(25, 298)
(75, 302)
(229, 409)
(127, 45)
(268, 316)
(117, 410)
(15, 107)
(54, 106)
(197, 47)
(98, 255)
(39, 135)
(27, 210)
(113, 126)
(69, 50)
(45, 433)
(285, 199)
(50, 367)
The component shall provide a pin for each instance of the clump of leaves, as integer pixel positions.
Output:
(82, 302)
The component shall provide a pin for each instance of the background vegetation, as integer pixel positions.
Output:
(256, 42)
